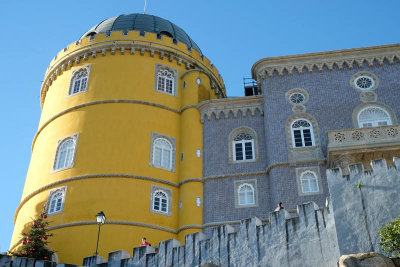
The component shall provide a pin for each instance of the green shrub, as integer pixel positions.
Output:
(390, 237)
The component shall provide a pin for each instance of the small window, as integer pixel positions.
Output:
(302, 133)
(160, 201)
(165, 81)
(364, 83)
(246, 194)
(243, 147)
(55, 202)
(65, 154)
(309, 182)
(373, 116)
(79, 81)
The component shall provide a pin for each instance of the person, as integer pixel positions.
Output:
(144, 242)
(280, 207)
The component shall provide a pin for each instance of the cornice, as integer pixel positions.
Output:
(227, 105)
(127, 47)
(325, 60)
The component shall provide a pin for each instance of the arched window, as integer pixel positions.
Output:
(56, 201)
(246, 194)
(243, 147)
(302, 133)
(65, 154)
(79, 81)
(309, 182)
(162, 153)
(165, 81)
(373, 116)
(160, 201)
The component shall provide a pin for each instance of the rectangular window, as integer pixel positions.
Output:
(382, 123)
(76, 86)
(297, 138)
(367, 124)
(239, 151)
(248, 148)
(307, 137)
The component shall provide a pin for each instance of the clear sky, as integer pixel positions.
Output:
(232, 34)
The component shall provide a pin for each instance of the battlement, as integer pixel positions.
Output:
(363, 202)
(285, 241)
(129, 43)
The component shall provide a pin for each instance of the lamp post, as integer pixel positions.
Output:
(101, 219)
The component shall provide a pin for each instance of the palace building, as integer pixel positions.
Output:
(136, 123)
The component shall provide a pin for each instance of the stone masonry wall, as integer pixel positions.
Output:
(307, 239)
(363, 202)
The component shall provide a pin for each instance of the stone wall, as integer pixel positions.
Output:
(363, 202)
(306, 239)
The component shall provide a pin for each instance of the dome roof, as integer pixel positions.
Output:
(143, 23)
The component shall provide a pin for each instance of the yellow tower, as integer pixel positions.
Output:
(120, 133)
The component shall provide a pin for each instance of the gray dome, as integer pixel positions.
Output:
(143, 23)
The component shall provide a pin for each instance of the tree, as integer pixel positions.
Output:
(34, 242)
(390, 237)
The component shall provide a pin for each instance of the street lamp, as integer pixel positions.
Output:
(101, 219)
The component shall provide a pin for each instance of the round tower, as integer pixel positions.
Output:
(120, 133)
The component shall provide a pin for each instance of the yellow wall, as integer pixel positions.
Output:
(115, 140)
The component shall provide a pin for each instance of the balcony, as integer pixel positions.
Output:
(362, 145)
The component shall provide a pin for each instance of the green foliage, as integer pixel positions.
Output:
(359, 186)
(390, 237)
(33, 244)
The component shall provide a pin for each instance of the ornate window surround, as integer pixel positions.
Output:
(302, 135)
(238, 184)
(314, 170)
(60, 141)
(175, 82)
(304, 154)
(168, 192)
(52, 192)
(360, 74)
(73, 74)
(363, 106)
(233, 134)
(297, 90)
(172, 141)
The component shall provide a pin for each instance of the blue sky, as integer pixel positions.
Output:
(233, 34)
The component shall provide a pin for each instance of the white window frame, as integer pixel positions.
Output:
(161, 86)
(70, 153)
(301, 129)
(302, 179)
(167, 196)
(163, 152)
(74, 79)
(52, 194)
(240, 188)
(242, 143)
(374, 123)
(172, 143)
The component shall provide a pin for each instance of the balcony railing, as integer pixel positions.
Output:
(381, 136)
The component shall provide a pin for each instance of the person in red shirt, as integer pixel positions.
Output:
(144, 242)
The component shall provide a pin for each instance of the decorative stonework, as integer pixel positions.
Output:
(299, 109)
(286, 65)
(63, 190)
(222, 107)
(297, 96)
(368, 97)
(74, 57)
(364, 81)
(343, 162)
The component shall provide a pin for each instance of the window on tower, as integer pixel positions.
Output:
(56, 199)
(160, 200)
(309, 182)
(65, 153)
(246, 194)
(79, 80)
(162, 152)
(165, 80)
